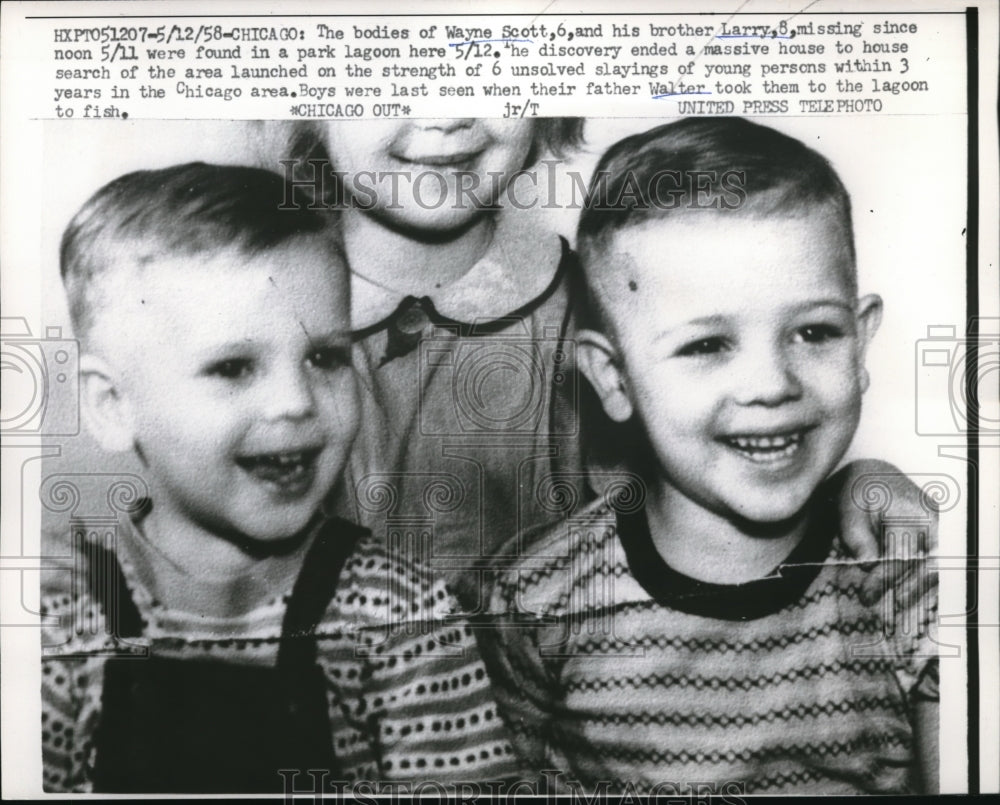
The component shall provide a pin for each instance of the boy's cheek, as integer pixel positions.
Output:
(654, 396)
(343, 406)
(198, 423)
(668, 399)
(838, 379)
(850, 387)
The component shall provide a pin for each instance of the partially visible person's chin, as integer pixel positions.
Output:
(432, 228)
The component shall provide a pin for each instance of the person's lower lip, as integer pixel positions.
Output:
(463, 161)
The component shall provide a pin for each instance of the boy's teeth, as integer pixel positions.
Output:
(278, 463)
(765, 442)
(284, 459)
(767, 448)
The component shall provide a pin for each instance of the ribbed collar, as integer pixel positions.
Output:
(749, 601)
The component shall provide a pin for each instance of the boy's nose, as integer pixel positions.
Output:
(290, 395)
(768, 378)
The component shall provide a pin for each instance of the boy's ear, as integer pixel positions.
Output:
(598, 360)
(105, 410)
(869, 318)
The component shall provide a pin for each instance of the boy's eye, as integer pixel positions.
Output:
(818, 333)
(703, 346)
(329, 358)
(230, 369)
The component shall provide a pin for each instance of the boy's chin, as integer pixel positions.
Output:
(766, 519)
(274, 539)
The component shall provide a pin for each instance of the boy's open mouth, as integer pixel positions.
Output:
(766, 449)
(292, 472)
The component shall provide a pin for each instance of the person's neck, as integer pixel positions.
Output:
(408, 264)
(199, 571)
(709, 547)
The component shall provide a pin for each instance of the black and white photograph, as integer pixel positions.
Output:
(634, 437)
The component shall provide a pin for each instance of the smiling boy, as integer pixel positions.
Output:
(708, 630)
(749, 400)
(215, 333)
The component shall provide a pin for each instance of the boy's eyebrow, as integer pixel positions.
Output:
(340, 338)
(335, 337)
(229, 346)
(707, 321)
(719, 319)
(328, 335)
(243, 348)
(812, 303)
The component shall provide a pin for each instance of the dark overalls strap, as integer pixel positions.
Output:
(105, 582)
(314, 589)
(191, 725)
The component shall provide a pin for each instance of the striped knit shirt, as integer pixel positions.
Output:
(613, 668)
(406, 694)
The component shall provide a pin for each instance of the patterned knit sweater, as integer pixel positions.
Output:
(613, 667)
(400, 679)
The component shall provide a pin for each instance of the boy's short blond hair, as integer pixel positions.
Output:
(189, 210)
(716, 166)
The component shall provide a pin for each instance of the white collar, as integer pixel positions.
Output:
(518, 266)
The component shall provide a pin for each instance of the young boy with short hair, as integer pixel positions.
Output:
(215, 332)
(707, 629)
